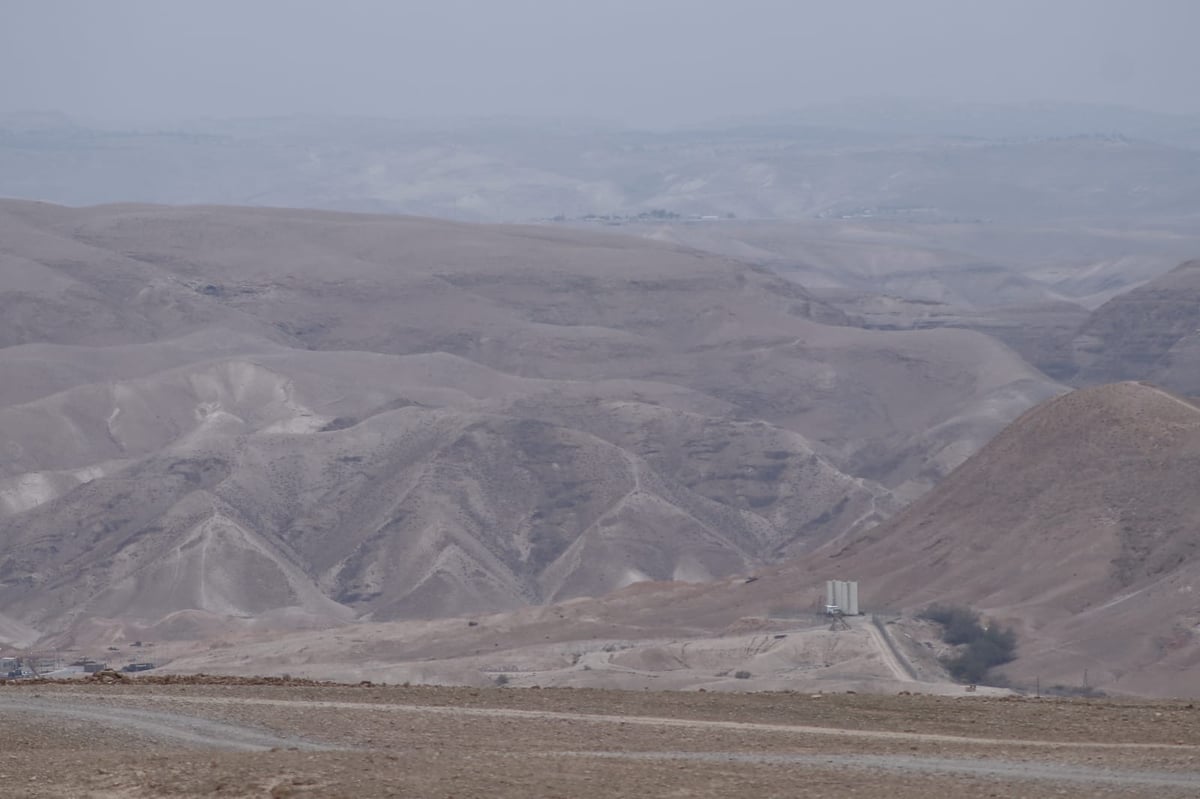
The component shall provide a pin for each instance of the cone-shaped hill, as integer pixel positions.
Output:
(1081, 523)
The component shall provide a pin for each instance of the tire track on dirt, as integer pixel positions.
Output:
(656, 721)
(202, 732)
(162, 727)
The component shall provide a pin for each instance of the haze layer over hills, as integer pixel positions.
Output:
(1025, 165)
(1015, 221)
(953, 204)
(731, 348)
(303, 415)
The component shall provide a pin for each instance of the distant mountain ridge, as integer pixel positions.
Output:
(875, 160)
(1035, 120)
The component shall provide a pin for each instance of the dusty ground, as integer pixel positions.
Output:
(547, 647)
(238, 738)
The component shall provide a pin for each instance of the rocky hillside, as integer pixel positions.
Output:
(299, 415)
(1151, 332)
(1079, 523)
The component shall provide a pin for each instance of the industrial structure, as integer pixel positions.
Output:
(841, 597)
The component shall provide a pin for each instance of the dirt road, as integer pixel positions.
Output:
(173, 728)
(653, 721)
(895, 662)
(147, 740)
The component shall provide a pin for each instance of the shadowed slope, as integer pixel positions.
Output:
(1150, 333)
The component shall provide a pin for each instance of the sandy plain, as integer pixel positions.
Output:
(195, 736)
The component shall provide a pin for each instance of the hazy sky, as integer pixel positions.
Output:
(639, 62)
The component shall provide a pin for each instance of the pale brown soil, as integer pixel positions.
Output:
(253, 738)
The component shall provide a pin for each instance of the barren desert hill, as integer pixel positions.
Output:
(1077, 525)
(528, 301)
(1080, 523)
(441, 487)
(1097, 477)
(1032, 287)
(246, 412)
(342, 274)
(1149, 333)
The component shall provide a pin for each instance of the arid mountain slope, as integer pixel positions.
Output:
(251, 412)
(1034, 288)
(1041, 333)
(1150, 333)
(450, 496)
(1080, 523)
(1077, 525)
(535, 302)
(963, 265)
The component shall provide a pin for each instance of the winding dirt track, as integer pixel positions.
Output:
(895, 662)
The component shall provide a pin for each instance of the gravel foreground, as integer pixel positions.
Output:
(222, 737)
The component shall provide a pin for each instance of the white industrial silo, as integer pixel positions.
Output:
(841, 596)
